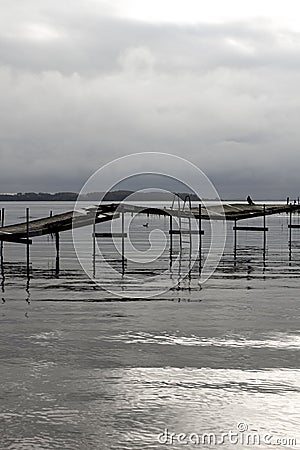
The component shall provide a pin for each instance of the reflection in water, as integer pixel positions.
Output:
(28, 291)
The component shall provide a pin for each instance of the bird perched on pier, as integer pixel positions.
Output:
(250, 201)
(146, 225)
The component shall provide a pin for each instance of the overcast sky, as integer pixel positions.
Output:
(85, 81)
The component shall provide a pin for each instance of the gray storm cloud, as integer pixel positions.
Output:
(79, 88)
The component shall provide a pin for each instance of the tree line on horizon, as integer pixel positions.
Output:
(93, 196)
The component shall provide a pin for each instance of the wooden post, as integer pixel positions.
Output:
(57, 253)
(179, 220)
(200, 237)
(190, 224)
(27, 245)
(290, 235)
(180, 235)
(265, 233)
(2, 217)
(190, 233)
(190, 237)
(171, 238)
(50, 215)
(94, 249)
(1, 244)
(235, 240)
(123, 242)
(2, 225)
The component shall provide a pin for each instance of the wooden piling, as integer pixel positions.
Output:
(190, 235)
(179, 221)
(235, 239)
(27, 245)
(123, 242)
(171, 239)
(1, 244)
(94, 249)
(264, 233)
(50, 215)
(57, 253)
(290, 234)
(200, 237)
(180, 234)
(2, 225)
(171, 234)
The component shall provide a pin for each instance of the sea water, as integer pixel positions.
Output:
(211, 366)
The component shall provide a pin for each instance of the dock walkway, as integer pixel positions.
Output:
(22, 232)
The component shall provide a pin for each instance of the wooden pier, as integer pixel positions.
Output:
(57, 223)
(23, 233)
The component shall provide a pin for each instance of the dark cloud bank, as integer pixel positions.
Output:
(79, 89)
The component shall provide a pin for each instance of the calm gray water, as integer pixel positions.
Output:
(83, 369)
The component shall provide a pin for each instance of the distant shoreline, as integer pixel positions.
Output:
(93, 196)
(113, 196)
